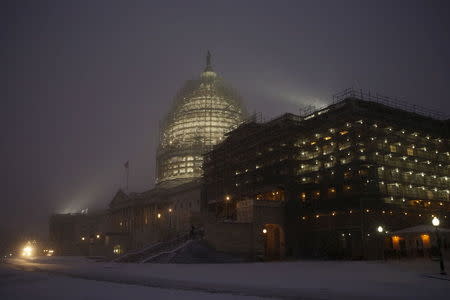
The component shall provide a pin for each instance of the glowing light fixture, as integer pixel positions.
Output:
(435, 222)
(27, 251)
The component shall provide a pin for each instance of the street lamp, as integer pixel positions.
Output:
(227, 199)
(380, 229)
(436, 223)
(170, 217)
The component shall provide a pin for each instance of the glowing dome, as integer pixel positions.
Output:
(203, 111)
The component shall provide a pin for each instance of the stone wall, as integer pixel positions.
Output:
(237, 238)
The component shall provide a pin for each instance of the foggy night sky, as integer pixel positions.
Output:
(85, 83)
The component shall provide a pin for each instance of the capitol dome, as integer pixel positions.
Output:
(204, 110)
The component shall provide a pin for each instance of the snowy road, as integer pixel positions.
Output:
(281, 280)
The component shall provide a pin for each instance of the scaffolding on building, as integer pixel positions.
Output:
(388, 101)
(204, 111)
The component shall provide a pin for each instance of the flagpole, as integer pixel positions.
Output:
(127, 166)
(128, 172)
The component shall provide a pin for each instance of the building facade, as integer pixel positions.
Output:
(321, 184)
(203, 111)
(78, 233)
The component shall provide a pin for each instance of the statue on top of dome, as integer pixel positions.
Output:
(208, 62)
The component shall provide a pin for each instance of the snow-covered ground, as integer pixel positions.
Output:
(20, 285)
(300, 279)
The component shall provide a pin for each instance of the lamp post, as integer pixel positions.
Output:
(436, 223)
(264, 231)
(227, 199)
(380, 230)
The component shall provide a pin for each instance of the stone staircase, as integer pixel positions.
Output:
(154, 250)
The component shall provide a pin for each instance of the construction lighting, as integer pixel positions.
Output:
(380, 229)
(159, 216)
(170, 210)
(228, 197)
(27, 251)
(264, 231)
(83, 238)
(97, 236)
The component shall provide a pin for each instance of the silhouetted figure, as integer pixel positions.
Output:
(192, 232)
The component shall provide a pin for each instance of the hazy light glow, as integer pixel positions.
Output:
(435, 222)
(27, 251)
(204, 111)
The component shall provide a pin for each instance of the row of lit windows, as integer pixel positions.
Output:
(183, 158)
(328, 136)
(396, 173)
(179, 171)
(331, 193)
(403, 160)
(366, 211)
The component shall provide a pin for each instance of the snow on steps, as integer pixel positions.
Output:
(195, 251)
(169, 254)
(152, 250)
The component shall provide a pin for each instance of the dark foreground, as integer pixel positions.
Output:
(78, 278)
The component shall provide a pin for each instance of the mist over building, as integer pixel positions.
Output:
(316, 184)
(204, 110)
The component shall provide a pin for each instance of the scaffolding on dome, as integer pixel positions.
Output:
(204, 110)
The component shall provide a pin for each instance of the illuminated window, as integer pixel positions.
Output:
(331, 192)
(393, 148)
(410, 151)
(117, 249)
(316, 194)
(343, 132)
(303, 197)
